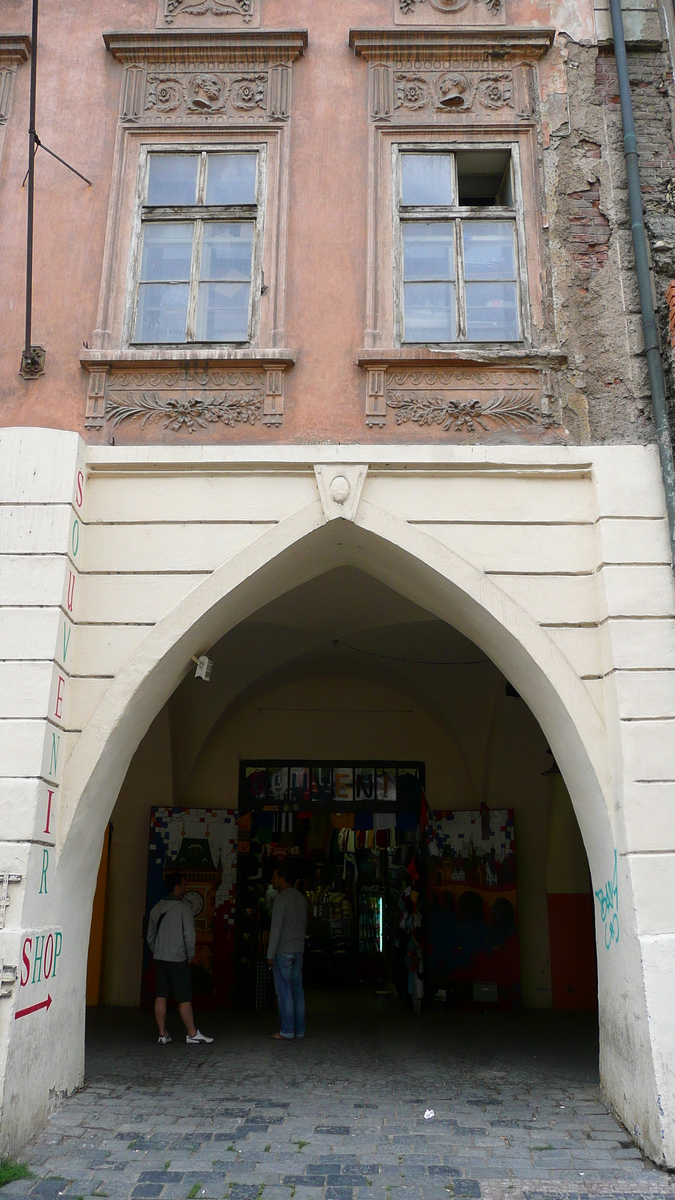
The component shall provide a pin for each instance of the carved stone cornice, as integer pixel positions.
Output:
(181, 46)
(455, 42)
(469, 391)
(14, 49)
(183, 391)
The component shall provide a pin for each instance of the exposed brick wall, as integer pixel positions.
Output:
(652, 91)
(589, 228)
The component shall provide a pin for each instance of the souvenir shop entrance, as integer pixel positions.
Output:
(352, 833)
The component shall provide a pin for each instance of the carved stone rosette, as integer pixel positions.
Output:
(468, 401)
(185, 399)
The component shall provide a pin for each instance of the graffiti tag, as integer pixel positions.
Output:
(608, 898)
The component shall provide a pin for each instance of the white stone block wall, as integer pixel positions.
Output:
(554, 560)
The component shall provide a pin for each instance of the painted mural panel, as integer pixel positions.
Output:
(201, 844)
(472, 906)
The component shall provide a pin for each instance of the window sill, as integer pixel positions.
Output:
(498, 354)
(187, 387)
(158, 356)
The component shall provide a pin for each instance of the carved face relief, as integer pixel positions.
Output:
(496, 91)
(453, 91)
(412, 91)
(206, 93)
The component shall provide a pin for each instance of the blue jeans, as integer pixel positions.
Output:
(288, 984)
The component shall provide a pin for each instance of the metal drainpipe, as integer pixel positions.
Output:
(657, 381)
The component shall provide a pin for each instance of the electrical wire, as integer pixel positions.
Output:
(414, 662)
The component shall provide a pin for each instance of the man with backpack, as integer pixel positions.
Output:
(171, 938)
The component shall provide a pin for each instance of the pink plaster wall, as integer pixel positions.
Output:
(78, 100)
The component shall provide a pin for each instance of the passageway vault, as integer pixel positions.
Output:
(311, 541)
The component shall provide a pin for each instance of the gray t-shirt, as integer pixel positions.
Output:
(289, 923)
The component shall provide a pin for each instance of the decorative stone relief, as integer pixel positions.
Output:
(406, 93)
(219, 95)
(437, 12)
(206, 77)
(232, 13)
(468, 401)
(186, 399)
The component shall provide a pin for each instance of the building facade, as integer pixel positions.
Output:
(345, 387)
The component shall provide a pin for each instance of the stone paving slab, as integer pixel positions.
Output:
(518, 1114)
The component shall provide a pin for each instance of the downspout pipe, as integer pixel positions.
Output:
(657, 381)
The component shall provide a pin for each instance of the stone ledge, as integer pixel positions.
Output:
(161, 46)
(14, 49)
(100, 360)
(462, 355)
(499, 41)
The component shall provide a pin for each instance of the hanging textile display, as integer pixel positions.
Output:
(472, 907)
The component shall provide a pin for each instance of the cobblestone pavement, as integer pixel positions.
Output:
(340, 1115)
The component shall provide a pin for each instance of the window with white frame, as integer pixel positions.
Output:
(198, 262)
(457, 247)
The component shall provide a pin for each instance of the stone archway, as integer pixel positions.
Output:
(339, 530)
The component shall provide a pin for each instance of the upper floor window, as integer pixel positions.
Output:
(458, 247)
(199, 275)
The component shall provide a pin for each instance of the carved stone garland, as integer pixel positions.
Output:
(187, 399)
(462, 400)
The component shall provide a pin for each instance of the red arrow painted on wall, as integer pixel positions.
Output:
(24, 1012)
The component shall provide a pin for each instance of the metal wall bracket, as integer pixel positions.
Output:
(33, 362)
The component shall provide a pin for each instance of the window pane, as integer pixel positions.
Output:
(231, 179)
(492, 312)
(226, 250)
(167, 250)
(429, 312)
(489, 250)
(426, 178)
(428, 250)
(162, 312)
(173, 179)
(222, 312)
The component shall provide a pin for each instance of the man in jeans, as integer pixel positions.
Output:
(285, 950)
(171, 937)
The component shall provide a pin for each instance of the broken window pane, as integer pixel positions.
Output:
(426, 179)
(172, 179)
(222, 313)
(226, 250)
(231, 179)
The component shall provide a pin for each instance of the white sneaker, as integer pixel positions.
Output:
(199, 1037)
(163, 1040)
